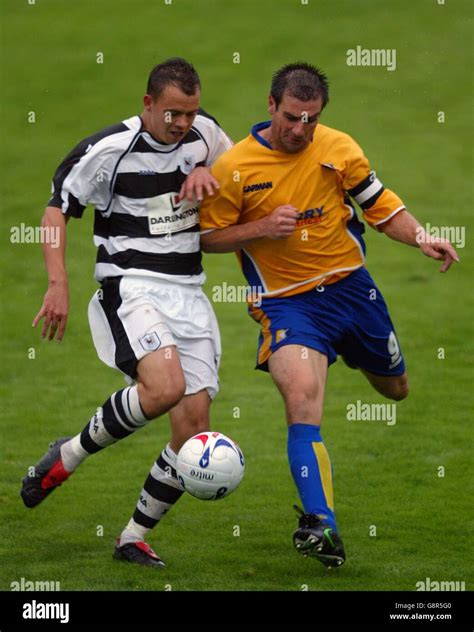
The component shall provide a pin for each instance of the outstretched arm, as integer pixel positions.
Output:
(405, 228)
(55, 306)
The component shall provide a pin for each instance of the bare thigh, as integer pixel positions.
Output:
(300, 375)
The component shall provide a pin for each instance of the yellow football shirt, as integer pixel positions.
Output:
(319, 181)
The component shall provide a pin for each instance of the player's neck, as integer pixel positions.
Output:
(146, 128)
(266, 134)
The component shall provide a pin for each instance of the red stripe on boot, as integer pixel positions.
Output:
(56, 475)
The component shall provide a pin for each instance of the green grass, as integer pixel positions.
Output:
(386, 476)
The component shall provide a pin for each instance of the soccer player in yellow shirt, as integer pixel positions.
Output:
(285, 206)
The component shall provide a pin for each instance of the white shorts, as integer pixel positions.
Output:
(131, 317)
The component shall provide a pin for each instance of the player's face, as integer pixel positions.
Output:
(170, 116)
(293, 122)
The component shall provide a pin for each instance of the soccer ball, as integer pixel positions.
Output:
(210, 465)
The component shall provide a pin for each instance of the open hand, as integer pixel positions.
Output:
(54, 310)
(200, 180)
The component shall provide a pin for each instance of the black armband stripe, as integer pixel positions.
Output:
(362, 185)
(371, 201)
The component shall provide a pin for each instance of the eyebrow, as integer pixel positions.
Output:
(310, 118)
(172, 111)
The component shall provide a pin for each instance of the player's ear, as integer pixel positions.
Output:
(147, 101)
(272, 107)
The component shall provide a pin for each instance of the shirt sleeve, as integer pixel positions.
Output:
(220, 143)
(223, 208)
(83, 178)
(361, 183)
(214, 136)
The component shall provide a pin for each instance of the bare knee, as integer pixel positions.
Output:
(159, 394)
(303, 405)
(186, 427)
(400, 394)
(193, 427)
(190, 417)
(398, 390)
(392, 387)
(161, 383)
(161, 398)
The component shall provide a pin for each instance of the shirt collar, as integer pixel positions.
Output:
(258, 128)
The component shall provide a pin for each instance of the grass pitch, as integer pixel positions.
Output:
(402, 518)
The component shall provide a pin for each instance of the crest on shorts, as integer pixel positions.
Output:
(280, 335)
(150, 341)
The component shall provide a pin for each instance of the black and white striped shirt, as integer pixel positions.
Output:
(133, 182)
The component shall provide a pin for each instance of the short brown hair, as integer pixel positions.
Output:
(302, 81)
(175, 71)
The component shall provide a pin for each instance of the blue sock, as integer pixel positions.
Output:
(311, 470)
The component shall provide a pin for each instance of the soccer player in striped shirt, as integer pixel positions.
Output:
(150, 318)
(290, 218)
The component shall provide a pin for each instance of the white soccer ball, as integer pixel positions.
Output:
(210, 465)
